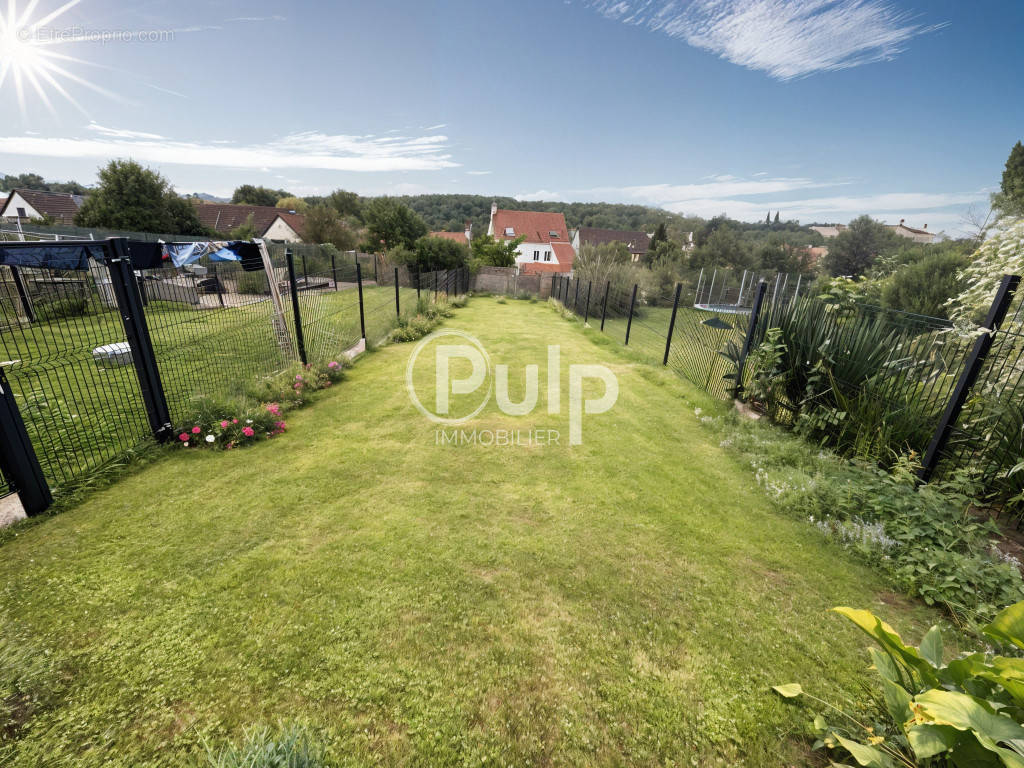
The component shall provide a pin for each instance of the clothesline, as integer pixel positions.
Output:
(143, 255)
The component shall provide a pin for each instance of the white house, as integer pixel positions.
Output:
(27, 204)
(546, 248)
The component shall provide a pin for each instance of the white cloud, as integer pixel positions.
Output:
(307, 150)
(437, 127)
(478, 173)
(540, 194)
(120, 133)
(785, 38)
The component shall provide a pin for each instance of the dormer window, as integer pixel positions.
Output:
(510, 232)
(553, 233)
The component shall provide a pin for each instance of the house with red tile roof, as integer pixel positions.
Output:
(270, 223)
(28, 204)
(546, 247)
(459, 237)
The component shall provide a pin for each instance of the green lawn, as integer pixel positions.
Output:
(81, 415)
(626, 601)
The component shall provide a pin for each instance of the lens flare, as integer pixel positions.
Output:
(28, 59)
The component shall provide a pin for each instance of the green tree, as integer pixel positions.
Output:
(292, 203)
(1011, 192)
(777, 221)
(768, 218)
(852, 252)
(723, 248)
(660, 236)
(439, 253)
(390, 224)
(926, 286)
(35, 181)
(246, 231)
(324, 225)
(133, 198)
(495, 253)
(347, 204)
(247, 194)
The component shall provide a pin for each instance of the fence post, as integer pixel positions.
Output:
(629, 323)
(216, 282)
(982, 346)
(362, 316)
(299, 337)
(129, 304)
(672, 323)
(334, 271)
(576, 297)
(26, 301)
(419, 281)
(586, 313)
(398, 305)
(748, 341)
(604, 304)
(17, 456)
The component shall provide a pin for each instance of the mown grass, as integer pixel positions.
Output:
(81, 415)
(626, 601)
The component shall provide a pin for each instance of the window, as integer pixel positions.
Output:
(21, 213)
(510, 232)
(553, 233)
(547, 255)
(536, 255)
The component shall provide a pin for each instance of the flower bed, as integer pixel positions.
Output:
(260, 414)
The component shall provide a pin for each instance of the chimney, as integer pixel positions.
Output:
(901, 222)
(494, 208)
(925, 226)
(469, 230)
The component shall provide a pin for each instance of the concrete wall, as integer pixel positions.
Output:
(505, 280)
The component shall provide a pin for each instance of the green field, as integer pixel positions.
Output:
(627, 601)
(80, 414)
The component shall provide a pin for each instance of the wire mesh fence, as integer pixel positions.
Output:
(864, 380)
(212, 328)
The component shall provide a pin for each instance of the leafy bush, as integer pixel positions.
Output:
(56, 309)
(290, 747)
(967, 712)
(926, 286)
(412, 329)
(924, 538)
(254, 283)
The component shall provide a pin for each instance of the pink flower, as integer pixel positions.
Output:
(298, 385)
(298, 377)
(234, 421)
(224, 424)
(333, 364)
(281, 425)
(248, 431)
(196, 430)
(229, 446)
(183, 437)
(273, 409)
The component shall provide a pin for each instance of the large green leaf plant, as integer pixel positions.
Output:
(967, 712)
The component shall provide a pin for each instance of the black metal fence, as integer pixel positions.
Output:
(101, 357)
(865, 380)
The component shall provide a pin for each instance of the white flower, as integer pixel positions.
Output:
(210, 438)
(185, 444)
(248, 421)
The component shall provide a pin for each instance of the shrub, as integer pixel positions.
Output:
(968, 712)
(924, 538)
(56, 309)
(412, 329)
(254, 283)
(290, 747)
(501, 300)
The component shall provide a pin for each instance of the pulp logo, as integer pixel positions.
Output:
(453, 373)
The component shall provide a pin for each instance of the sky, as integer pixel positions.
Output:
(820, 109)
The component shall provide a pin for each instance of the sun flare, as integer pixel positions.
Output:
(28, 59)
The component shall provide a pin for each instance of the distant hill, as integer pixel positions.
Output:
(449, 212)
(210, 198)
